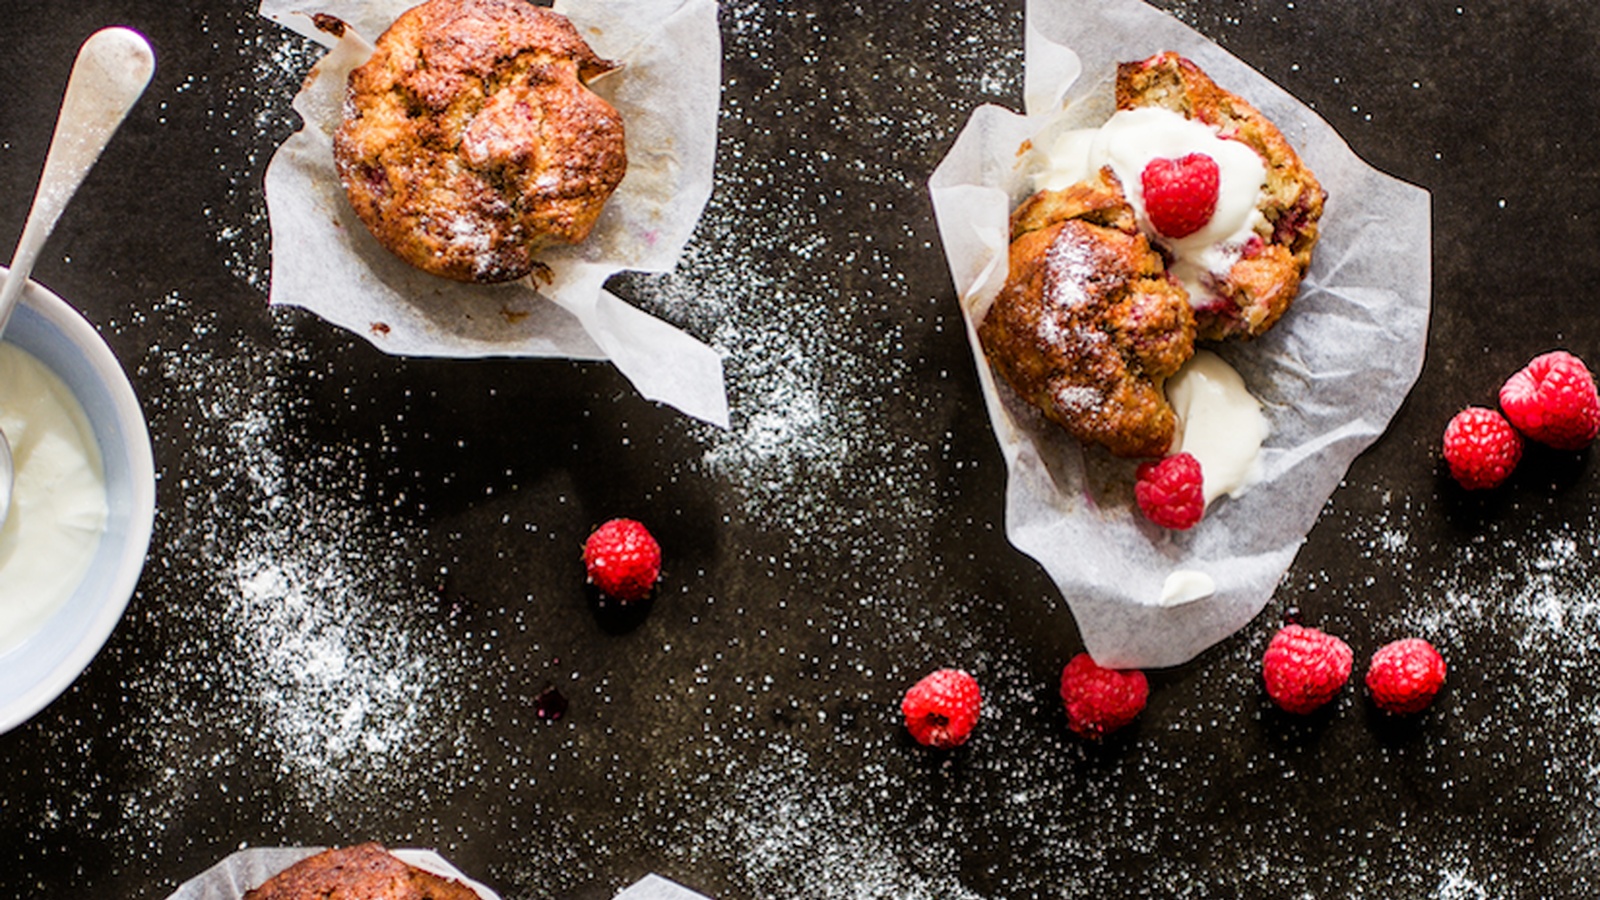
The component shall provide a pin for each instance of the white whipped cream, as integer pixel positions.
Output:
(1128, 142)
(1186, 586)
(58, 501)
(1220, 422)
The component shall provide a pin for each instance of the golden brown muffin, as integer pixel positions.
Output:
(471, 142)
(1088, 326)
(363, 872)
(1260, 286)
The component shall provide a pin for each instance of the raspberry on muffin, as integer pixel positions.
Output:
(471, 141)
(1187, 216)
(1258, 287)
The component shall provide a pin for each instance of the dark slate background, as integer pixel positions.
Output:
(365, 571)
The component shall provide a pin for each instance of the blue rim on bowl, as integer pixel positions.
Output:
(46, 663)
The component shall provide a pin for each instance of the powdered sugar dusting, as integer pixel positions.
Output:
(320, 660)
(291, 672)
(783, 826)
(824, 387)
(253, 117)
(1070, 267)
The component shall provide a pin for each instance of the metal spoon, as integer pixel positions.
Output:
(111, 71)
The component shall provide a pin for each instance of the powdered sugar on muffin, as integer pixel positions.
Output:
(470, 141)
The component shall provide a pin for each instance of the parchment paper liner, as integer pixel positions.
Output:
(324, 259)
(1331, 374)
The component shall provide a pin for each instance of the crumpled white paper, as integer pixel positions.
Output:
(1331, 374)
(244, 870)
(325, 260)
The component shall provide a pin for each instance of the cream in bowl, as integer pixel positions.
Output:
(83, 502)
(58, 501)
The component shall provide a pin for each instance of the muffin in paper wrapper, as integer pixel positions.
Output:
(667, 92)
(246, 869)
(1330, 375)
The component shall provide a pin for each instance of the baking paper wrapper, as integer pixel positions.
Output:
(1330, 375)
(247, 869)
(325, 260)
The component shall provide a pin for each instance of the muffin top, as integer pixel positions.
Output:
(1088, 327)
(471, 141)
(362, 872)
(1263, 275)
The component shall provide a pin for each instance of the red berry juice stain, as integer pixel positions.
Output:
(551, 704)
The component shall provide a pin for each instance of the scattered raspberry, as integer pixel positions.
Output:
(1180, 194)
(623, 559)
(942, 708)
(1553, 401)
(1101, 700)
(1169, 491)
(1304, 668)
(1481, 448)
(1405, 676)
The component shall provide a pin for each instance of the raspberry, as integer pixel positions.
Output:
(1553, 401)
(1304, 668)
(1481, 448)
(623, 559)
(1180, 194)
(1405, 676)
(1169, 491)
(942, 708)
(1101, 700)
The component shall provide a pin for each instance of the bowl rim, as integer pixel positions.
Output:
(141, 463)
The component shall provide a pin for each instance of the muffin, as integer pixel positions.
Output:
(1088, 326)
(1253, 288)
(363, 872)
(471, 141)
(1185, 216)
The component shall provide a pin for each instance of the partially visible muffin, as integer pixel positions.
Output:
(1088, 326)
(471, 141)
(1260, 284)
(362, 872)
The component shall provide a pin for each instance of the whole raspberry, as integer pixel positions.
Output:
(1405, 676)
(1481, 448)
(1101, 700)
(1169, 492)
(942, 708)
(1180, 194)
(623, 559)
(1304, 668)
(1553, 401)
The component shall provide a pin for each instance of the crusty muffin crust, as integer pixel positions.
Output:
(362, 872)
(1088, 326)
(471, 142)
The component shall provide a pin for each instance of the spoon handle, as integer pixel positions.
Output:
(112, 69)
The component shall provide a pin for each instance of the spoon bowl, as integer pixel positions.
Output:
(112, 69)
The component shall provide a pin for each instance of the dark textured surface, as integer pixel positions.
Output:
(365, 570)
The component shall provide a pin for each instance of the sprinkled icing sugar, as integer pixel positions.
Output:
(1078, 399)
(319, 658)
(1070, 265)
(323, 690)
(784, 826)
(824, 388)
(253, 116)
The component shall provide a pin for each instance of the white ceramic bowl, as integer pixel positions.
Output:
(38, 670)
